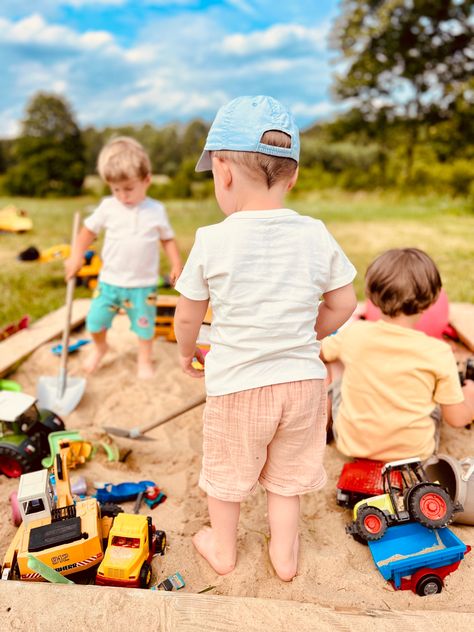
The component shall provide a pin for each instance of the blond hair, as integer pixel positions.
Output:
(123, 158)
(270, 169)
(402, 281)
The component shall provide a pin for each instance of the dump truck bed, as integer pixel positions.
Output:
(407, 548)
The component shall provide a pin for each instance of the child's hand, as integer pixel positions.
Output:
(186, 363)
(71, 267)
(468, 391)
(174, 273)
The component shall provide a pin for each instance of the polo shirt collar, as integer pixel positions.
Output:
(276, 212)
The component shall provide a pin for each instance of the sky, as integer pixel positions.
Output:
(161, 61)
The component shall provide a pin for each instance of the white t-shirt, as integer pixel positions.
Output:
(264, 273)
(130, 256)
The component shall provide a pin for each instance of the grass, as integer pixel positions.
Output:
(365, 224)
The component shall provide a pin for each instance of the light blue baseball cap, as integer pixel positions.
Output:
(240, 125)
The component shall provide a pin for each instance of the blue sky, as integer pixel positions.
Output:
(161, 61)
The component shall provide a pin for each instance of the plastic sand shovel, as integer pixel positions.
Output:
(138, 432)
(75, 346)
(62, 394)
(46, 572)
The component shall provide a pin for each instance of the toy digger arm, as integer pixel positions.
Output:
(61, 474)
(10, 555)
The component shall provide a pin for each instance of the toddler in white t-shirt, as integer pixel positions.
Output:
(264, 270)
(134, 224)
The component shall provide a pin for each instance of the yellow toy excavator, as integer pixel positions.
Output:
(66, 535)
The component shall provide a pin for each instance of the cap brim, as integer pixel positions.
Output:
(204, 163)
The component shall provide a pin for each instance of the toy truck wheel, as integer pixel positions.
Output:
(371, 523)
(160, 542)
(429, 585)
(12, 462)
(145, 575)
(431, 506)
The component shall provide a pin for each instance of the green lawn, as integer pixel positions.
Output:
(365, 224)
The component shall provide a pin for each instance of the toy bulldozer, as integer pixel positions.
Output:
(66, 536)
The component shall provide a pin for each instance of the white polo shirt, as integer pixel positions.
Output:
(130, 255)
(264, 273)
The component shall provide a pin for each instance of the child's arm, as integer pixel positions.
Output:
(462, 414)
(75, 261)
(171, 249)
(335, 310)
(188, 319)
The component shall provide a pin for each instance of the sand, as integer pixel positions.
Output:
(334, 570)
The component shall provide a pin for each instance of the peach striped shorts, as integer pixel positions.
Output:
(275, 435)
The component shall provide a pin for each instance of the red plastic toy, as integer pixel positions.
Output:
(360, 479)
(12, 328)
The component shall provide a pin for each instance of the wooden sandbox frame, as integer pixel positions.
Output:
(49, 607)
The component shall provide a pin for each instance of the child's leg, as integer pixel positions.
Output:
(218, 543)
(145, 359)
(140, 305)
(283, 517)
(97, 352)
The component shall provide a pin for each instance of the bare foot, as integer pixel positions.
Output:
(145, 370)
(285, 566)
(205, 545)
(95, 356)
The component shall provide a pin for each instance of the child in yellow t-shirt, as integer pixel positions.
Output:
(397, 383)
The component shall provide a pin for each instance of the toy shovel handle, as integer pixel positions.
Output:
(71, 284)
(197, 401)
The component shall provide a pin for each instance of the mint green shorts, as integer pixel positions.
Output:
(138, 302)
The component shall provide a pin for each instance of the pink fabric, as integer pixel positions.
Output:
(275, 435)
(434, 322)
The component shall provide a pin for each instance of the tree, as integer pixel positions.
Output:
(405, 59)
(49, 153)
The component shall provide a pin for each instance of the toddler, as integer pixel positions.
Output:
(264, 270)
(133, 224)
(397, 382)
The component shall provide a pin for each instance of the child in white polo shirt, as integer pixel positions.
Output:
(264, 270)
(133, 223)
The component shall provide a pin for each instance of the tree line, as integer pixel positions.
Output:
(405, 72)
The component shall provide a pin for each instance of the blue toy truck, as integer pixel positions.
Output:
(413, 557)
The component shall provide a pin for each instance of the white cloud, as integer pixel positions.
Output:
(275, 38)
(312, 110)
(35, 30)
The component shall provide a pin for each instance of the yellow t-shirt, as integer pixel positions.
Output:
(393, 378)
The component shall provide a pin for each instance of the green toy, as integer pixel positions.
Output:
(46, 572)
(10, 385)
(24, 430)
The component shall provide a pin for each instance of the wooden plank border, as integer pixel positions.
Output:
(52, 607)
(19, 346)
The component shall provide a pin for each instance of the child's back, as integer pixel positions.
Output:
(393, 377)
(397, 381)
(266, 271)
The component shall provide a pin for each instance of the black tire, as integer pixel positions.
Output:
(430, 505)
(429, 585)
(371, 523)
(110, 510)
(145, 575)
(160, 542)
(12, 453)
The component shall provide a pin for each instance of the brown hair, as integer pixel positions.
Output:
(123, 158)
(270, 169)
(402, 281)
